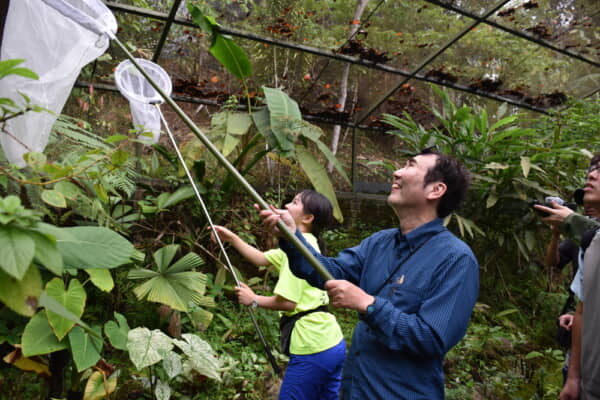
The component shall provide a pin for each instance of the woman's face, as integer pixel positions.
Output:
(296, 209)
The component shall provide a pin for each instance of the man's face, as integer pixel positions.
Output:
(407, 185)
(591, 190)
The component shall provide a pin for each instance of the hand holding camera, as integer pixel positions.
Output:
(554, 210)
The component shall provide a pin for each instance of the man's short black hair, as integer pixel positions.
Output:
(454, 175)
(595, 160)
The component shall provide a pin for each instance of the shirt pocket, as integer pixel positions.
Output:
(406, 298)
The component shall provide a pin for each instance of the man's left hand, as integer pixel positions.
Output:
(345, 294)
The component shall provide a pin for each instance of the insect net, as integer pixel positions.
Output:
(56, 38)
(142, 96)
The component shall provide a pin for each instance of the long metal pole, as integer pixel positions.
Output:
(289, 235)
(212, 226)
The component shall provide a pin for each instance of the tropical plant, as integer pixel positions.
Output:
(31, 248)
(510, 165)
(175, 285)
(8, 108)
(280, 121)
(148, 348)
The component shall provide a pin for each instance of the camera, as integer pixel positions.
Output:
(547, 203)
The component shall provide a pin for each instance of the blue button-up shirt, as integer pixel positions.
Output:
(398, 348)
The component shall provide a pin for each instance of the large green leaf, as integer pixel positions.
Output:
(285, 118)
(185, 263)
(206, 23)
(201, 318)
(229, 144)
(147, 347)
(233, 58)
(117, 334)
(332, 159)
(50, 304)
(164, 256)
(68, 190)
(317, 174)
(18, 249)
(161, 290)
(85, 348)
(97, 388)
(54, 198)
(46, 252)
(101, 278)
(202, 357)
(38, 338)
(21, 295)
(73, 299)
(90, 246)
(181, 194)
(238, 123)
(262, 120)
(281, 105)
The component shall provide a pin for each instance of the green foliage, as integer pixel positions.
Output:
(495, 360)
(117, 332)
(176, 285)
(22, 243)
(73, 299)
(282, 125)
(223, 48)
(510, 165)
(8, 108)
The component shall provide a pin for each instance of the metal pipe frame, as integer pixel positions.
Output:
(361, 118)
(197, 100)
(522, 35)
(328, 54)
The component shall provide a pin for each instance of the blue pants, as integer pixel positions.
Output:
(314, 376)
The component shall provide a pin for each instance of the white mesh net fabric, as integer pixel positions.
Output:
(56, 47)
(141, 94)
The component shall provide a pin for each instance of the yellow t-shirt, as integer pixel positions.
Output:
(317, 331)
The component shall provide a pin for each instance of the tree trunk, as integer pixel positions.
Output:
(335, 138)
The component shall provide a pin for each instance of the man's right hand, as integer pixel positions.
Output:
(571, 390)
(557, 213)
(271, 216)
(566, 321)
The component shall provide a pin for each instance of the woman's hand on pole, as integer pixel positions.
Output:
(245, 294)
(272, 216)
(224, 234)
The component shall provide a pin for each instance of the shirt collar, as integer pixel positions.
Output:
(419, 235)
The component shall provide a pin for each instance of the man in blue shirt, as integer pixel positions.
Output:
(414, 286)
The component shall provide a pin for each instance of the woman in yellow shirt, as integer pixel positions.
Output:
(316, 345)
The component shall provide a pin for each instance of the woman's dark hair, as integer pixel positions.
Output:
(320, 207)
(455, 175)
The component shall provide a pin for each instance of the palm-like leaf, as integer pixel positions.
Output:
(175, 285)
(164, 256)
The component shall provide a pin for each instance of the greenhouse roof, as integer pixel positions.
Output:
(533, 54)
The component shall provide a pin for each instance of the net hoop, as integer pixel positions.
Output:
(135, 87)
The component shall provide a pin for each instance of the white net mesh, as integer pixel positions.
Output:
(141, 95)
(56, 47)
